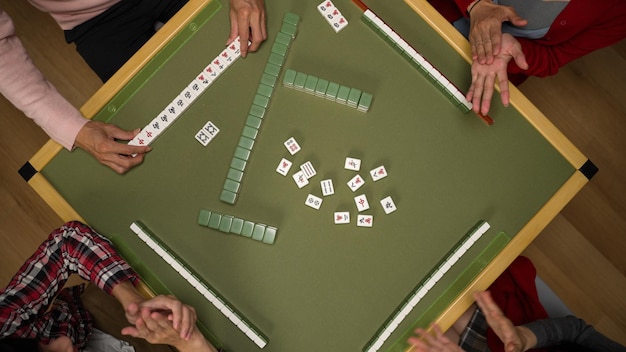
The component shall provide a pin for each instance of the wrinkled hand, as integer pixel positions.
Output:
(100, 140)
(425, 342)
(155, 328)
(247, 20)
(60, 344)
(515, 339)
(484, 75)
(485, 35)
(181, 316)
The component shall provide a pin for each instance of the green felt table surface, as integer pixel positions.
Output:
(320, 286)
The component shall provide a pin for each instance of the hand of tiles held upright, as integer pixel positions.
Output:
(188, 95)
(428, 70)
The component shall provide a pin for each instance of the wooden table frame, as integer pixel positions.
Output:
(585, 169)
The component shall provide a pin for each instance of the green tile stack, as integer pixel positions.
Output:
(260, 104)
(230, 224)
(322, 88)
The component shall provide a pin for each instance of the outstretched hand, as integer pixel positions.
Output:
(247, 20)
(485, 35)
(484, 76)
(100, 140)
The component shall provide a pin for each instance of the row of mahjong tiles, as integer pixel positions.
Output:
(332, 91)
(453, 93)
(200, 285)
(219, 64)
(416, 296)
(250, 331)
(188, 95)
(238, 226)
(280, 48)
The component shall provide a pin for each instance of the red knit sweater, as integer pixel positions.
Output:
(582, 27)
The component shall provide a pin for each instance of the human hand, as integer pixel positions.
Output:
(486, 20)
(181, 316)
(515, 339)
(59, 344)
(156, 328)
(484, 75)
(425, 342)
(99, 139)
(247, 20)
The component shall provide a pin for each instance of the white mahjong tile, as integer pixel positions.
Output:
(388, 205)
(325, 7)
(352, 164)
(140, 139)
(327, 187)
(212, 70)
(361, 202)
(308, 169)
(284, 166)
(203, 137)
(378, 173)
(204, 79)
(313, 201)
(292, 146)
(234, 48)
(211, 129)
(356, 182)
(300, 179)
(341, 217)
(365, 221)
(338, 23)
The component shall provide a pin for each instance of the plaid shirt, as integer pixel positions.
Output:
(474, 337)
(73, 248)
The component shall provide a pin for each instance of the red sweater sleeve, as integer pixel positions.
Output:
(452, 10)
(582, 27)
(516, 294)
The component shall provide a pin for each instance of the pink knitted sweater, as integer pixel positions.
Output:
(26, 87)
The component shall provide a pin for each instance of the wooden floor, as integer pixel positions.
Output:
(580, 254)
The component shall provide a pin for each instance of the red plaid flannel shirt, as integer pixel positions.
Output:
(73, 248)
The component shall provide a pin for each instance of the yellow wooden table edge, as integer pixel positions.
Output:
(108, 90)
(519, 242)
(518, 100)
(102, 97)
(513, 249)
(547, 213)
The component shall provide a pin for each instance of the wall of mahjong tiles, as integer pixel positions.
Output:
(319, 286)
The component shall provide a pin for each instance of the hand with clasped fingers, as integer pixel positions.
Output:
(157, 328)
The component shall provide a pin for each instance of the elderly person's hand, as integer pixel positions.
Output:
(485, 35)
(484, 76)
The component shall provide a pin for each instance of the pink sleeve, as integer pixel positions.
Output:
(26, 88)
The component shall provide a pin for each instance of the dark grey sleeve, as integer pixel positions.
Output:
(556, 331)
